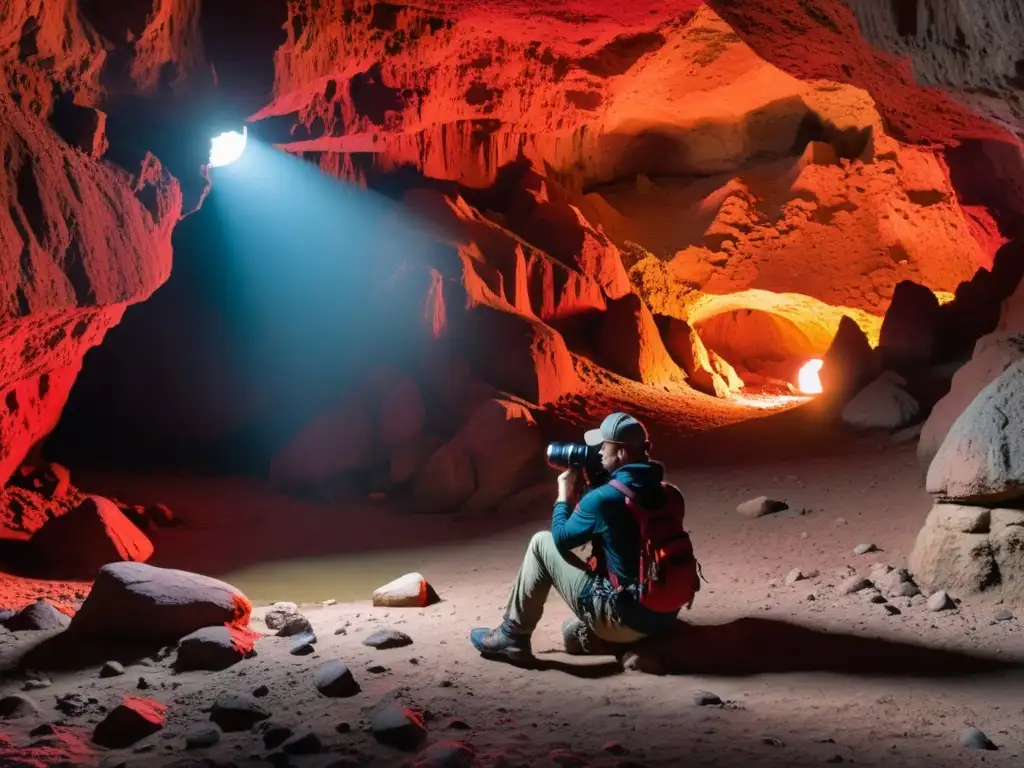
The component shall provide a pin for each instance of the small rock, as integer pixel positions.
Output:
(972, 738)
(614, 748)
(398, 727)
(307, 743)
(794, 576)
(853, 585)
(446, 754)
(112, 669)
(73, 704)
(384, 639)
(237, 712)
(891, 609)
(459, 725)
(1002, 614)
(409, 591)
(335, 680)
(296, 624)
(37, 683)
(760, 507)
(161, 515)
(343, 728)
(302, 644)
(214, 648)
(202, 738)
(378, 669)
(280, 614)
(875, 596)
(940, 601)
(16, 707)
(261, 691)
(863, 549)
(772, 741)
(43, 729)
(274, 734)
(37, 616)
(706, 699)
(128, 723)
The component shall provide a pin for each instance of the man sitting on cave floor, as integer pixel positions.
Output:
(617, 598)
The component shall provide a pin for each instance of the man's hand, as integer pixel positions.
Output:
(568, 483)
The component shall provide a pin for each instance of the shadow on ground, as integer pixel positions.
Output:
(752, 646)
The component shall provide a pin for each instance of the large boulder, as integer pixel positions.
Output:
(993, 354)
(982, 458)
(629, 344)
(882, 404)
(968, 550)
(909, 330)
(497, 452)
(134, 601)
(80, 542)
(686, 348)
(518, 354)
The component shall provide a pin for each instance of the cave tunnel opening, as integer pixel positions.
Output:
(767, 350)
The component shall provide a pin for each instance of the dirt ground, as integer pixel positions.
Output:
(806, 676)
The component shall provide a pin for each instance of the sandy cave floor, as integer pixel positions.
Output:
(774, 714)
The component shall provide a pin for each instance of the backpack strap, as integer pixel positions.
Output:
(630, 495)
(622, 488)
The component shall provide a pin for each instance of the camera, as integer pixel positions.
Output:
(566, 455)
(577, 456)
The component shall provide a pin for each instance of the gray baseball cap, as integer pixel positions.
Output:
(618, 428)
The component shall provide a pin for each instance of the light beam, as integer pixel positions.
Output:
(807, 380)
(228, 147)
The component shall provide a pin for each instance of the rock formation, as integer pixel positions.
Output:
(693, 197)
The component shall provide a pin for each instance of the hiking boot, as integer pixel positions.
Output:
(501, 642)
(581, 640)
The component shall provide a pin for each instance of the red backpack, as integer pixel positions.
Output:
(669, 573)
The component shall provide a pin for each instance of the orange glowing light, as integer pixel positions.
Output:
(807, 380)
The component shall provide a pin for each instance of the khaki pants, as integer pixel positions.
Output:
(545, 567)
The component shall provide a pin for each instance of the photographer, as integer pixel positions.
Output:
(613, 597)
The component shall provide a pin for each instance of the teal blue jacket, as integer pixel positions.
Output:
(602, 519)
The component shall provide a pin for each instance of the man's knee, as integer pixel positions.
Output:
(542, 541)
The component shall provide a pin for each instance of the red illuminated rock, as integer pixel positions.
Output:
(518, 354)
(214, 648)
(684, 345)
(408, 591)
(727, 373)
(560, 230)
(52, 481)
(627, 342)
(88, 537)
(552, 286)
(87, 247)
(134, 601)
(131, 721)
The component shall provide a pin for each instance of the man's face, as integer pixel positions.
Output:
(611, 456)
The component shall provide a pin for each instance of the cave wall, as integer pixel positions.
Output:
(591, 96)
